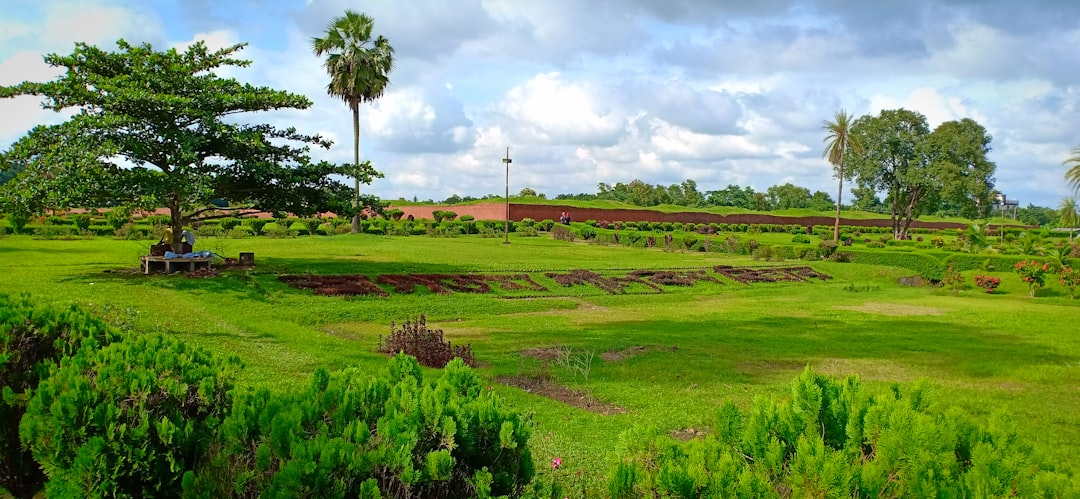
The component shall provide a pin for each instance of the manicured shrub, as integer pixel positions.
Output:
(466, 218)
(82, 222)
(127, 420)
(563, 233)
(587, 233)
(117, 218)
(800, 239)
(33, 340)
(926, 265)
(311, 225)
(826, 248)
(395, 214)
(18, 221)
(355, 433)
(257, 224)
(832, 439)
(427, 345)
(546, 224)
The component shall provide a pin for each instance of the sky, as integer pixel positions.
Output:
(606, 91)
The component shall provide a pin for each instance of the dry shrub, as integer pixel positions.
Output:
(427, 345)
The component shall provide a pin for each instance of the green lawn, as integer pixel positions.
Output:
(704, 345)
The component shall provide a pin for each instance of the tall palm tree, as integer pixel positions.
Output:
(359, 69)
(1069, 215)
(837, 144)
(1072, 176)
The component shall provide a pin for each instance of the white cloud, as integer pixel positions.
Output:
(548, 110)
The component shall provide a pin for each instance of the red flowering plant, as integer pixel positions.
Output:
(989, 283)
(1070, 278)
(1033, 273)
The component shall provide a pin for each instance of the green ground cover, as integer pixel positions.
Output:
(684, 352)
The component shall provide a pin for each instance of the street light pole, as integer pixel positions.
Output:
(507, 162)
(1001, 229)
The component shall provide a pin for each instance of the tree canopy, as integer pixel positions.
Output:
(918, 169)
(154, 128)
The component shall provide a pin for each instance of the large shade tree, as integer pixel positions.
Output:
(917, 169)
(158, 128)
(837, 144)
(359, 68)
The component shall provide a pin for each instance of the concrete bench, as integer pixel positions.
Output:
(169, 265)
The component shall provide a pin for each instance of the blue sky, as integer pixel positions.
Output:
(716, 91)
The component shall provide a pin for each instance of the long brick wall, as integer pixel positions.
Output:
(493, 211)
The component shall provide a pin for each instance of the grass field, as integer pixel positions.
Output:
(686, 350)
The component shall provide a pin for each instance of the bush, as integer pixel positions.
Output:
(832, 439)
(563, 233)
(18, 221)
(118, 218)
(427, 345)
(466, 218)
(587, 233)
(800, 239)
(355, 433)
(826, 248)
(127, 420)
(82, 222)
(926, 265)
(257, 225)
(33, 340)
(311, 225)
(989, 283)
(395, 214)
(228, 223)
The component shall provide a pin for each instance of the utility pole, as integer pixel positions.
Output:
(507, 162)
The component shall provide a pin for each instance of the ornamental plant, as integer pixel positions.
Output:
(1033, 273)
(836, 438)
(1070, 278)
(989, 283)
(33, 340)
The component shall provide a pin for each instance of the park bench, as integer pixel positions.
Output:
(169, 265)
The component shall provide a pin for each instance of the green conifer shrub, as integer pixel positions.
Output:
(127, 420)
(33, 339)
(833, 439)
(356, 433)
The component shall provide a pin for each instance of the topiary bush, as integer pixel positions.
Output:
(355, 433)
(833, 439)
(127, 420)
(33, 339)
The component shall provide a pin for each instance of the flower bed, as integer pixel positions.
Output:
(646, 280)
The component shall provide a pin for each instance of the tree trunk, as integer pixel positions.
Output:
(176, 223)
(839, 192)
(356, 164)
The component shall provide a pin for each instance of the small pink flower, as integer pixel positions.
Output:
(555, 463)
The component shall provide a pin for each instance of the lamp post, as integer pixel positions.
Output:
(507, 162)
(1001, 229)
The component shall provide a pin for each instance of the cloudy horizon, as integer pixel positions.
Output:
(610, 91)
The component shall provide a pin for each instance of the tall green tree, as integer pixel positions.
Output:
(918, 169)
(837, 144)
(959, 151)
(782, 197)
(158, 128)
(359, 69)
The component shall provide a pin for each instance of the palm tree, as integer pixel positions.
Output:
(1072, 176)
(837, 144)
(358, 67)
(1069, 214)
